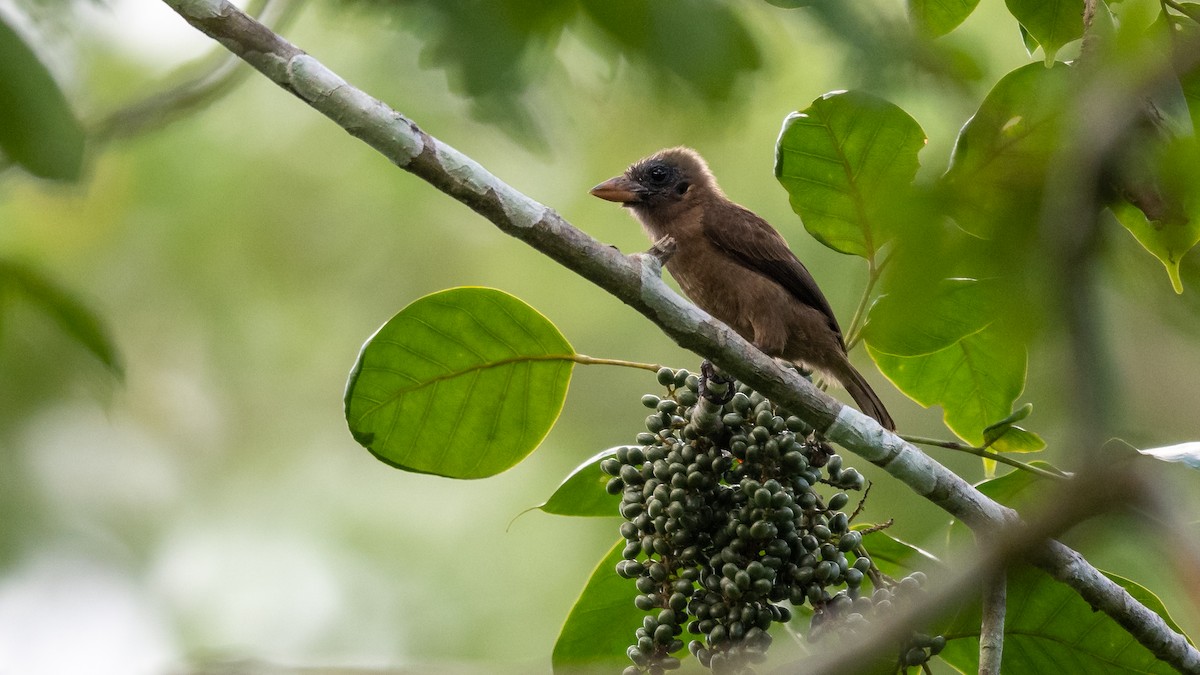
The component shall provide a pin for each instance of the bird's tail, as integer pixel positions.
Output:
(864, 396)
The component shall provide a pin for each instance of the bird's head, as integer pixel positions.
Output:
(664, 183)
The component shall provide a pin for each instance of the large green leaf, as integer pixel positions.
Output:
(925, 318)
(1053, 23)
(846, 161)
(1000, 160)
(462, 383)
(1048, 628)
(602, 623)
(938, 17)
(78, 321)
(37, 128)
(976, 380)
(583, 493)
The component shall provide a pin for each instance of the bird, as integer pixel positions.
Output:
(732, 264)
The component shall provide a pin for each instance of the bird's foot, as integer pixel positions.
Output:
(714, 386)
(664, 248)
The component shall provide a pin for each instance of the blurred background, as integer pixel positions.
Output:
(211, 507)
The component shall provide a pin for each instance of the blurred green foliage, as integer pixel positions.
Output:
(37, 128)
(493, 51)
(240, 257)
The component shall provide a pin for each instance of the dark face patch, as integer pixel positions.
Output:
(661, 181)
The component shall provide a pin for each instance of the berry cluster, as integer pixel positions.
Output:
(847, 615)
(723, 524)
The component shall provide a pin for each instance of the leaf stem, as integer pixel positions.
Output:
(592, 361)
(854, 332)
(987, 454)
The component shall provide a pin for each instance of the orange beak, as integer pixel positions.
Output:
(619, 189)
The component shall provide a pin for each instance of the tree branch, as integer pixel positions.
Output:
(991, 628)
(636, 280)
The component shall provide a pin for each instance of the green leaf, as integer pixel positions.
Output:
(1014, 417)
(1031, 44)
(845, 161)
(999, 163)
(945, 311)
(938, 17)
(1168, 33)
(1048, 628)
(706, 44)
(463, 383)
(602, 622)
(1016, 439)
(583, 493)
(897, 558)
(1167, 241)
(1006, 436)
(78, 321)
(1053, 23)
(37, 128)
(975, 380)
(1015, 489)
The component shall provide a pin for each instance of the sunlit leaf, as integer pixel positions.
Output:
(582, 493)
(975, 380)
(938, 17)
(462, 383)
(845, 161)
(76, 319)
(38, 131)
(1184, 453)
(602, 622)
(1049, 628)
(1053, 23)
(998, 167)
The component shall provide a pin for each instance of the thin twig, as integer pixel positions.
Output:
(986, 454)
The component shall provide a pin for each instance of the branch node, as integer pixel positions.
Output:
(664, 249)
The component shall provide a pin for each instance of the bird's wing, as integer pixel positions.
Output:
(760, 248)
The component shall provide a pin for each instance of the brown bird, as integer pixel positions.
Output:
(736, 267)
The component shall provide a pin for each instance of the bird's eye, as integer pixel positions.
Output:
(658, 174)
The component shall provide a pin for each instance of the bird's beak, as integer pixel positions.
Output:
(619, 189)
